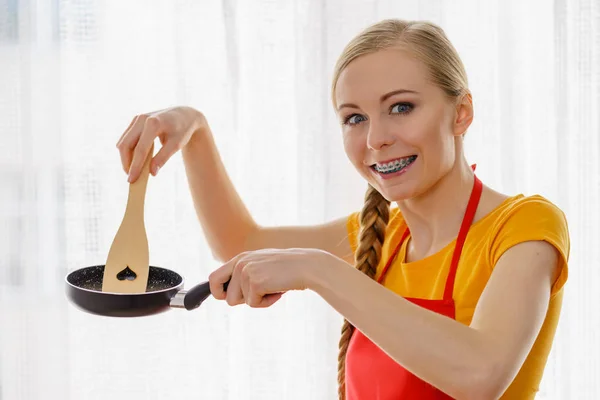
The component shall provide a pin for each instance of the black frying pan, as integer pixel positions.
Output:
(163, 291)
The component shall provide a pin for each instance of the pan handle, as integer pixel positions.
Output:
(191, 299)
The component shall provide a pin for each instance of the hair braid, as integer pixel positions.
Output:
(374, 218)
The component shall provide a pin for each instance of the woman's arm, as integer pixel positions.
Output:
(226, 222)
(228, 226)
(467, 362)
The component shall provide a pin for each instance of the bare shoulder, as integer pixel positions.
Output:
(490, 201)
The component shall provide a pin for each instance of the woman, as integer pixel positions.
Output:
(455, 291)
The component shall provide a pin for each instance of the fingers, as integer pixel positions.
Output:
(268, 300)
(234, 295)
(127, 130)
(218, 278)
(229, 272)
(129, 140)
(173, 126)
(246, 282)
(146, 139)
(253, 288)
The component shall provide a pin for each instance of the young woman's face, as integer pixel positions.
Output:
(398, 127)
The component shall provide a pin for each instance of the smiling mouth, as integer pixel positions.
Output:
(394, 166)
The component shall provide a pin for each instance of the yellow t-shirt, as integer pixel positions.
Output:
(517, 219)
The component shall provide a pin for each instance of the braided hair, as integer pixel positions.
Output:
(374, 218)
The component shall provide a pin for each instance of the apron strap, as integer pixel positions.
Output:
(462, 236)
(460, 241)
(393, 255)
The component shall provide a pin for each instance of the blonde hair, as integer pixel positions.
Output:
(429, 44)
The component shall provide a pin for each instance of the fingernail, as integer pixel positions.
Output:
(156, 168)
(129, 178)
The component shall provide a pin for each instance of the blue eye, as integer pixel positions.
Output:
(354, 119)
(398, 108)
(402, 108)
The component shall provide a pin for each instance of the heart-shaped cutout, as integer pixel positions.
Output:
(127, 273)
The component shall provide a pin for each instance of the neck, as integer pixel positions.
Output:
(434, 218)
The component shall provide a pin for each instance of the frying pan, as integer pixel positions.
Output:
(163, 292)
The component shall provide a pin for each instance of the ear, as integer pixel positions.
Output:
(464, 114)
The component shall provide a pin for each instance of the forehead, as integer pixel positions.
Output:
(370, 76)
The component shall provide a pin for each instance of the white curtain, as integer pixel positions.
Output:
(74, 72)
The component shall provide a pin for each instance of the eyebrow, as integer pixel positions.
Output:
(383, 98)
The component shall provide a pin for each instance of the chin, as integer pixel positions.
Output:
(398, 193)
(396, 196)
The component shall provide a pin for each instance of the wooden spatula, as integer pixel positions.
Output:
(127, 265)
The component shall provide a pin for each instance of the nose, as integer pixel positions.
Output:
(379, 135)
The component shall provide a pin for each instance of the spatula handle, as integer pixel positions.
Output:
(137, 190)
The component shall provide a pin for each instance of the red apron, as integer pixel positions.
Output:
(370, 373)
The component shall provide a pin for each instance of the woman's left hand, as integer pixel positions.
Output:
(259, 278)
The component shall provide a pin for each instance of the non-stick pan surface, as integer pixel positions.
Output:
(164, 290)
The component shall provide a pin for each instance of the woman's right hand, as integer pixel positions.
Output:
(173, 126)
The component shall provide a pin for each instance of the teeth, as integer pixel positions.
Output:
(394, 165)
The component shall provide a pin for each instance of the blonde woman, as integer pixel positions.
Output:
(454, 291)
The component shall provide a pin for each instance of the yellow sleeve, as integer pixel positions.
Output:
(353, 227)
(534, 218)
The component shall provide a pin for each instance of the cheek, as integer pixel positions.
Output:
(440, 145)
(438, 148)
(431, 132)
(420, 134)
